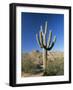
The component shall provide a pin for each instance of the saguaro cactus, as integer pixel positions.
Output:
(47, 45)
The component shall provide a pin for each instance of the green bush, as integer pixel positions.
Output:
(55, 68)
(52, 69)
(29, 67)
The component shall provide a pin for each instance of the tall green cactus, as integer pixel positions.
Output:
(47, 45)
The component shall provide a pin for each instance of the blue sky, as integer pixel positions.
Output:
(31, 25)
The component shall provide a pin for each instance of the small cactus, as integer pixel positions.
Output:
(46, 45)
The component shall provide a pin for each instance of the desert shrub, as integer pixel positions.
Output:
(61, 71)
(29, 67)
(55, 68)
(52, 69)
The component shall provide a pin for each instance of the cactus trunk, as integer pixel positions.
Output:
(44, 62)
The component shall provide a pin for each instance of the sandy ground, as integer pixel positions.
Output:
(32, 75)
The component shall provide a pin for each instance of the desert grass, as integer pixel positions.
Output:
(32, 65)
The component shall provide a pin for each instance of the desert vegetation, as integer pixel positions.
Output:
(32, 64)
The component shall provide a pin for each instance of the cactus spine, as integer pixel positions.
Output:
(47, 45)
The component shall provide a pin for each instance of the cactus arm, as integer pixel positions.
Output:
(44, 35)
(41, 29)
(44, 40)
(41, 38)
(38, 41)
(54, 39)
(49, 39)
(45, 27)
(52, 44)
